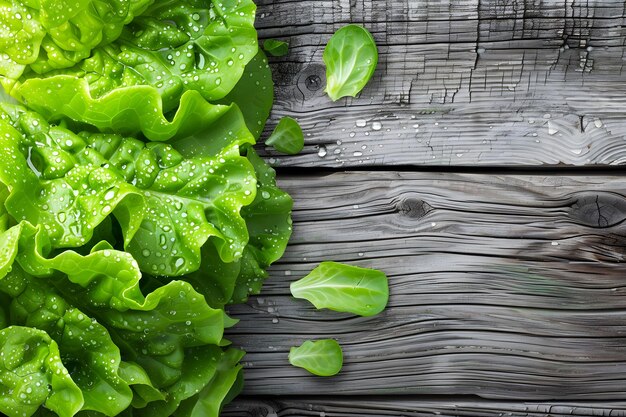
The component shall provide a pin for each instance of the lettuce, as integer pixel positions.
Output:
(32, 374)
(40, 36)
(168, 206)
(93, 308)
(154, 77)
(133, 205)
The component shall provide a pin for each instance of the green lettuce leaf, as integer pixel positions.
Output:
(130, 165)
(268, 219)
(225, 384)
(109, 335)
(32, 375)
(154, 330)
(167, 206)
(39, 36)
(268, 222)
(256, 107)
(143, 390)
(154, 77)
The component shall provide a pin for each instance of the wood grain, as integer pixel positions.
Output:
(505, 287)
(463, 83)
(411, 407)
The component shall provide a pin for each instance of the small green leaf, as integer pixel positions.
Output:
(350, 59)
(344, 288)
(322, 357)
(275, 47)
(287, 137)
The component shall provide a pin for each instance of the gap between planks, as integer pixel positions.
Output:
(410, 406)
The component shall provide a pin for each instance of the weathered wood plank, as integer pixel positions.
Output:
(501, 286)
(412, 407)
(459, 82)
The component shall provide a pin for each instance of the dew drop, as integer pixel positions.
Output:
(552, 129)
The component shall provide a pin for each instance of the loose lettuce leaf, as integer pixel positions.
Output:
(320, 357)
(173, 56)
(351, 58)
(287, 137)
(168, 206)
(346, 288)
(275, 47)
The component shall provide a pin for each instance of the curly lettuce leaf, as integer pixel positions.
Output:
(225, 384)
(203, 367)
(139, 350)
(167, 205)
(86, 349)
(256, 108)
(143, 390)
(40, 36)
(154, 77)
(153, 330)
(268, 219)
(268, 223)
(32, 375)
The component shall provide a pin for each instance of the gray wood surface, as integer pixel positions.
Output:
(508, 292)
(504, 287)
(463, 83)
(408, 407)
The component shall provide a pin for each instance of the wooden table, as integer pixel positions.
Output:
(480, 169)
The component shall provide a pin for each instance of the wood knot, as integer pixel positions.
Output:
(311, 80)
(414, 208)
(600, 210)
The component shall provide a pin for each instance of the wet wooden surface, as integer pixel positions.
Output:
(508, 289)
(460, 83)
(501, 286)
